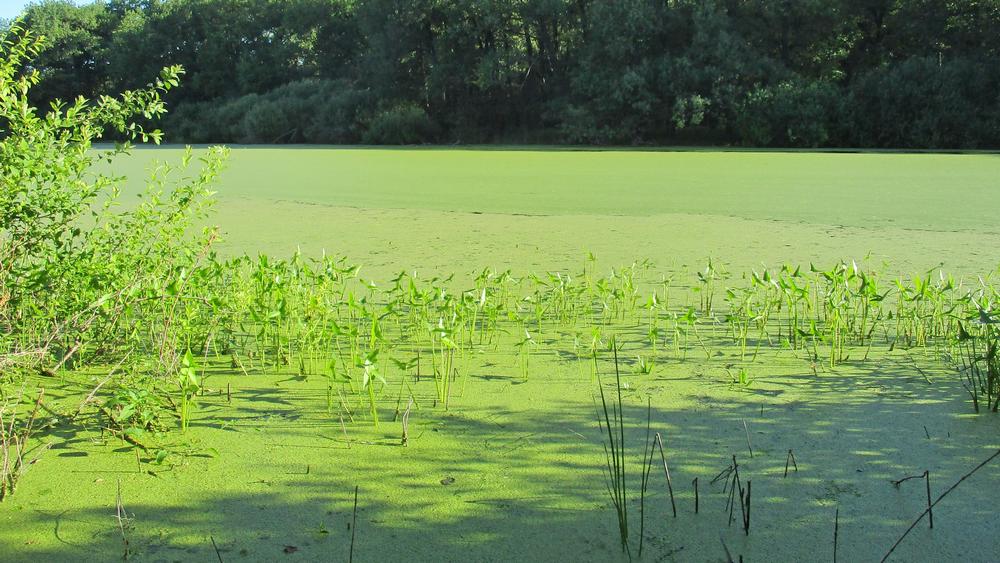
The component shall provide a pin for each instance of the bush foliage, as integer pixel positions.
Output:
(75, 257)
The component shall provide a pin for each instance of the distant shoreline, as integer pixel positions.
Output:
(571, 148)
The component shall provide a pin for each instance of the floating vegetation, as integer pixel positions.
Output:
(265, 315)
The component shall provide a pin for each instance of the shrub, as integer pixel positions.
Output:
(311, 111)
(406, 124)
(72, 261)
(790, 114)
(336, 113)
(925, 103)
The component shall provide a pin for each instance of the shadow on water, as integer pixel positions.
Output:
(514, 472)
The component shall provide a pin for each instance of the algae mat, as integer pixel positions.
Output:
(460, 210)
(513, 470)
(919, 191)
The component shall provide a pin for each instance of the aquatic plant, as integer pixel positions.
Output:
(613, 430)
(16, 431)
(189, 384)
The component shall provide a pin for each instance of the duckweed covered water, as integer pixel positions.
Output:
(513, 469)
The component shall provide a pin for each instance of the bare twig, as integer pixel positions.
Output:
(939, 499)
(747, 430)
(898, 482)
(216, 548)
(14, 438)
(790, 457)
(724, 474)
(92, 394)
(406, 422)
(354, 524)
(746, 518)
(930, 512)
(124, 522)
(729, 556)
(836, 532)
(666, 471)
(344, 428)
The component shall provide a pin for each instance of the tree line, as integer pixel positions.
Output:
(797, 73)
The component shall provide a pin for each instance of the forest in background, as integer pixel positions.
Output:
(782, 73)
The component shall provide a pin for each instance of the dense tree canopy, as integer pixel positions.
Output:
(865, 73)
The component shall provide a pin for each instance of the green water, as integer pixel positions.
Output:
(526, 457)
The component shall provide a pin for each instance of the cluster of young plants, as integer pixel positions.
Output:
(319, 316)
(976, 349)
(841, 313)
